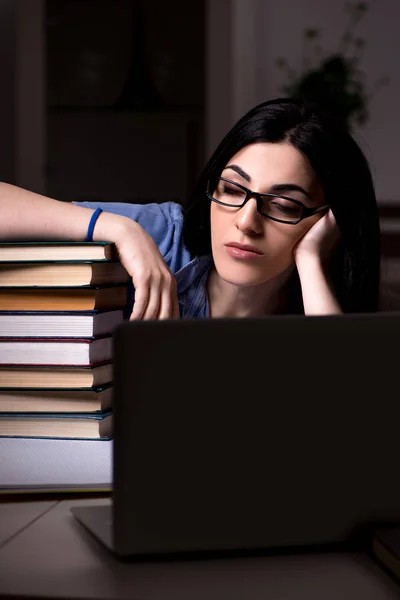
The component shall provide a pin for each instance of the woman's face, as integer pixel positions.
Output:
(261, 167)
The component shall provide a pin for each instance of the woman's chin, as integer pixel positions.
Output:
(244, 277)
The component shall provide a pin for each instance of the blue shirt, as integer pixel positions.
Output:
(164, 222)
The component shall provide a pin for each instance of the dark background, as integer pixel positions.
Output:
(125, 98)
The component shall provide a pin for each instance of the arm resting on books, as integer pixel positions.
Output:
(28, 216)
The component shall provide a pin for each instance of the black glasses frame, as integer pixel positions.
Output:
(307, 212)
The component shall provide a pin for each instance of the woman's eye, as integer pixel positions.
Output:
(285, 208)
(232, 191)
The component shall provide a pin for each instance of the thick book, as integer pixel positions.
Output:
(49, 425)
(61, 273)
(386, 547)
(55, 351)
(22, 323)
(16, 377)
(34, 251)
(66, 298)
(96, 399)
(32, 465)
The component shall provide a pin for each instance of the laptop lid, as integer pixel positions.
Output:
(237, 434)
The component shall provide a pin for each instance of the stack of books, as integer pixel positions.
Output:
(59, 304)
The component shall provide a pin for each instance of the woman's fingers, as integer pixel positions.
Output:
(169, 307)
(153, 304)
(155, 296)
(140, 302)
(155, 286)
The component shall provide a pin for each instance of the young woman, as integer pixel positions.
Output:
(283, 219)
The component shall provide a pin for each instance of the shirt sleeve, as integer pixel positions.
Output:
(164, 222)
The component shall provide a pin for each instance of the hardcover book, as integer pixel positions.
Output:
(24, 323)
(17, 377)
(32, 251)
(55, 351)
(61, 273)
(66, 298)
(49, 425)
(75, 400)
(39, 465)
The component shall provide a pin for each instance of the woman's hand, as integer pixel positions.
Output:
(320, 240)
(155, 286)
(310, 253)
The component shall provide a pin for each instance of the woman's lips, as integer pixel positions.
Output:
(243, 251)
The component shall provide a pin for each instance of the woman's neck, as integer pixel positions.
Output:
(229, 300)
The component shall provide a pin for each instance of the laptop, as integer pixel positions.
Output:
(249, 434)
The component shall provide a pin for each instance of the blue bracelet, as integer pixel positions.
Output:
(92, 223)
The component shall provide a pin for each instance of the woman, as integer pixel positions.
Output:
(282, 219)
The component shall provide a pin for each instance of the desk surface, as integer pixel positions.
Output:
(14, 518)
(54, 557)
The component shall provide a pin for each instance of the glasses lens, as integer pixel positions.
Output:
(282, 209)
(229, 193)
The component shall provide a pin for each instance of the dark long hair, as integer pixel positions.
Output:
(344, 174)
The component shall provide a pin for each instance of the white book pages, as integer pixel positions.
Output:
(32, 324)
(55, 352)
(49, 464)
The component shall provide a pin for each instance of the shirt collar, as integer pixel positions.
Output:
(192, 287)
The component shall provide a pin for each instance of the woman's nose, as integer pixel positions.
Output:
(248, 219)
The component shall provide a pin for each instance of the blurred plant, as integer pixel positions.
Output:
(335, 80)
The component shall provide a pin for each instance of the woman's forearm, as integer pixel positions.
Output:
(28, 216)
(318, 296)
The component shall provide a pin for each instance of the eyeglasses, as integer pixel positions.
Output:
(277, 208)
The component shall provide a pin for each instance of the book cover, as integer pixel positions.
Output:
(75, 400)
(61, 273)
(55, 351)
(50, 425)
(61, 377)
(60, 250)
(66, 298)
